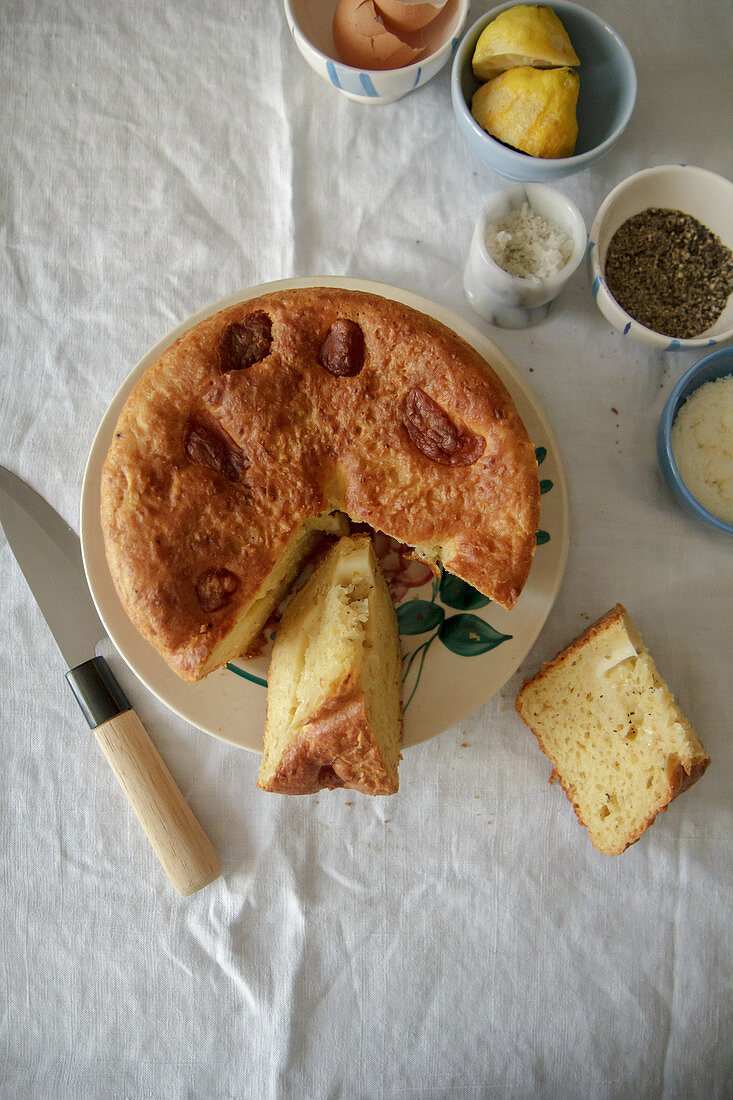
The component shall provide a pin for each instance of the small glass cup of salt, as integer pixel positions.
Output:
(527, 243)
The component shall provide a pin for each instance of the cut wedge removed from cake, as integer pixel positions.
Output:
(620, 745)
(334, 714)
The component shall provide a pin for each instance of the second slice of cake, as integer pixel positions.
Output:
(619, 742)
(334, 716)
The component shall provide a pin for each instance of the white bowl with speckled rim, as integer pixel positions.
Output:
(695, 191)
(310, 25)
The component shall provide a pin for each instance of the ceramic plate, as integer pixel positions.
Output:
(459, 648)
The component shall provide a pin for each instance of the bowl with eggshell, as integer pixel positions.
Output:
(711, 431)
(376, 51)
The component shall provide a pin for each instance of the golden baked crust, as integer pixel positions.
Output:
(335, 749)
(269, 415)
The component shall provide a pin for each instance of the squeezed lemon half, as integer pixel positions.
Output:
(520, 36)
(533, 110)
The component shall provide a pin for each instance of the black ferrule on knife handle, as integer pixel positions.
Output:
(97, 692)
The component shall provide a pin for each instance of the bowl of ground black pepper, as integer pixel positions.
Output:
(661, 260)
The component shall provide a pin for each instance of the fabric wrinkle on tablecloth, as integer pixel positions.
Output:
(463, 938)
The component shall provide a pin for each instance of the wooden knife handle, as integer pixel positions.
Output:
(178, 840)
(181, 845)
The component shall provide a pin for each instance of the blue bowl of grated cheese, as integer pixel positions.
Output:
(695, 441)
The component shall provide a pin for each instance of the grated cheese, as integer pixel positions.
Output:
(702, 445)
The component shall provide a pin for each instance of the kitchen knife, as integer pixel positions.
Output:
(49, 554)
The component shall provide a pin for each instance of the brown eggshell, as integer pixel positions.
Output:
(402, 16)
(362, 40)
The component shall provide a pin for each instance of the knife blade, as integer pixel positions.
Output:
(48, 552)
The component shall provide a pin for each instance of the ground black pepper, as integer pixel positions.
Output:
(669, 272)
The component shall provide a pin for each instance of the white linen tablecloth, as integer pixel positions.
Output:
(462, 939)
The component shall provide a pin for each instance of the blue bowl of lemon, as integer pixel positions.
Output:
(542, 92)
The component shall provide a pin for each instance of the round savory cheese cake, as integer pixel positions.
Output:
(274, 423)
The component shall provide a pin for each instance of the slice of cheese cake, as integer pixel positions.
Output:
(334, 716)
(621, 747)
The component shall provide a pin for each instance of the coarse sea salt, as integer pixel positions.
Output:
(523, 243)
(702, 445)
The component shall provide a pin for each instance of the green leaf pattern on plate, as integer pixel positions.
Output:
(456, 593)
(541, 455)
(419, 616)
(247, 675)
(467, 635)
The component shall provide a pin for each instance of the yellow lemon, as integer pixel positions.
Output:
(533, 110)
(522, 35)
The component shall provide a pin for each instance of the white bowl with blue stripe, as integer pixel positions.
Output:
(310, 25)
(695, 191)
